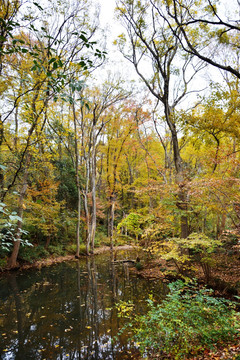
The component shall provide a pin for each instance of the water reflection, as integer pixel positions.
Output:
(68, 311)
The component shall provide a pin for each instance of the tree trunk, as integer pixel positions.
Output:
(221, 222)
(85, 203)
(1, 170)
(77, 183)
(183, 206)
(94, 207)
(78, 221)
(12, 262)
(87, 224)
(112, 214)
(182, 193)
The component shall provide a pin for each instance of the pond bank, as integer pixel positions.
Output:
(224, 280)
(58, 259)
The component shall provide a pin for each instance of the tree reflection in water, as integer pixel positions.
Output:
(68, 311)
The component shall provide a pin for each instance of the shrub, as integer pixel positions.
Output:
(71, 248)
(8, 227)
(139, 266)
(82, 249)
(122, 240)
(56, 250)
(100, 238)
(31, 254)
(196, 248)
(186, 322)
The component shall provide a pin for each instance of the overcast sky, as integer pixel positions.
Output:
(117, 63)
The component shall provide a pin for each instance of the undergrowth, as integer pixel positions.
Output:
(187, 322)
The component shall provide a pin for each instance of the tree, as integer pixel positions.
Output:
(213, 131)
(150, 37)
(90, 115)
(43, 67)
(118, 130)
(205, 33)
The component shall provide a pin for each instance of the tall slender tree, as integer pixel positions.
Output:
(168, 75)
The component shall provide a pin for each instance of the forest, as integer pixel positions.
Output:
(91, 158)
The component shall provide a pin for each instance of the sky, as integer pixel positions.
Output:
(107, 10)
(116, 64)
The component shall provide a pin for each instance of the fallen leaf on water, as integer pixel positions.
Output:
(88, 327)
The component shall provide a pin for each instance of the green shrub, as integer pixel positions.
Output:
(56, 250)
(186, 322)
(197, 248)
(100, 238)
(106, 242)
(139, 266)
(71, 249)
(123, 240)
(82, 249)
(3, 263)
(31, 254)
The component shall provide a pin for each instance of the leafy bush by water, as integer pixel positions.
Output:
(33, 254)
(186, 322)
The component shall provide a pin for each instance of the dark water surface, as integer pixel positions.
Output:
(68, 311)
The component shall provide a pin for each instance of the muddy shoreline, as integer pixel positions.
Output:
(58, 259)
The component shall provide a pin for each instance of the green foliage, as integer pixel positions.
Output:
(139, 266)
(133, 223)
(8, 225)
(67, 190)
(33, 254)
(186, 322)
(57, 250)
(123, 240)
(40, 252)
(196, 248)
(3, 262)
(156, 232)
(82, 249)
(100, 238)
(71, 248)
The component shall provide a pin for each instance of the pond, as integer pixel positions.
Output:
(68, 310)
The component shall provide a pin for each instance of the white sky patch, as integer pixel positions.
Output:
(116, 63)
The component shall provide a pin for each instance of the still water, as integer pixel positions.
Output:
(68, 311)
